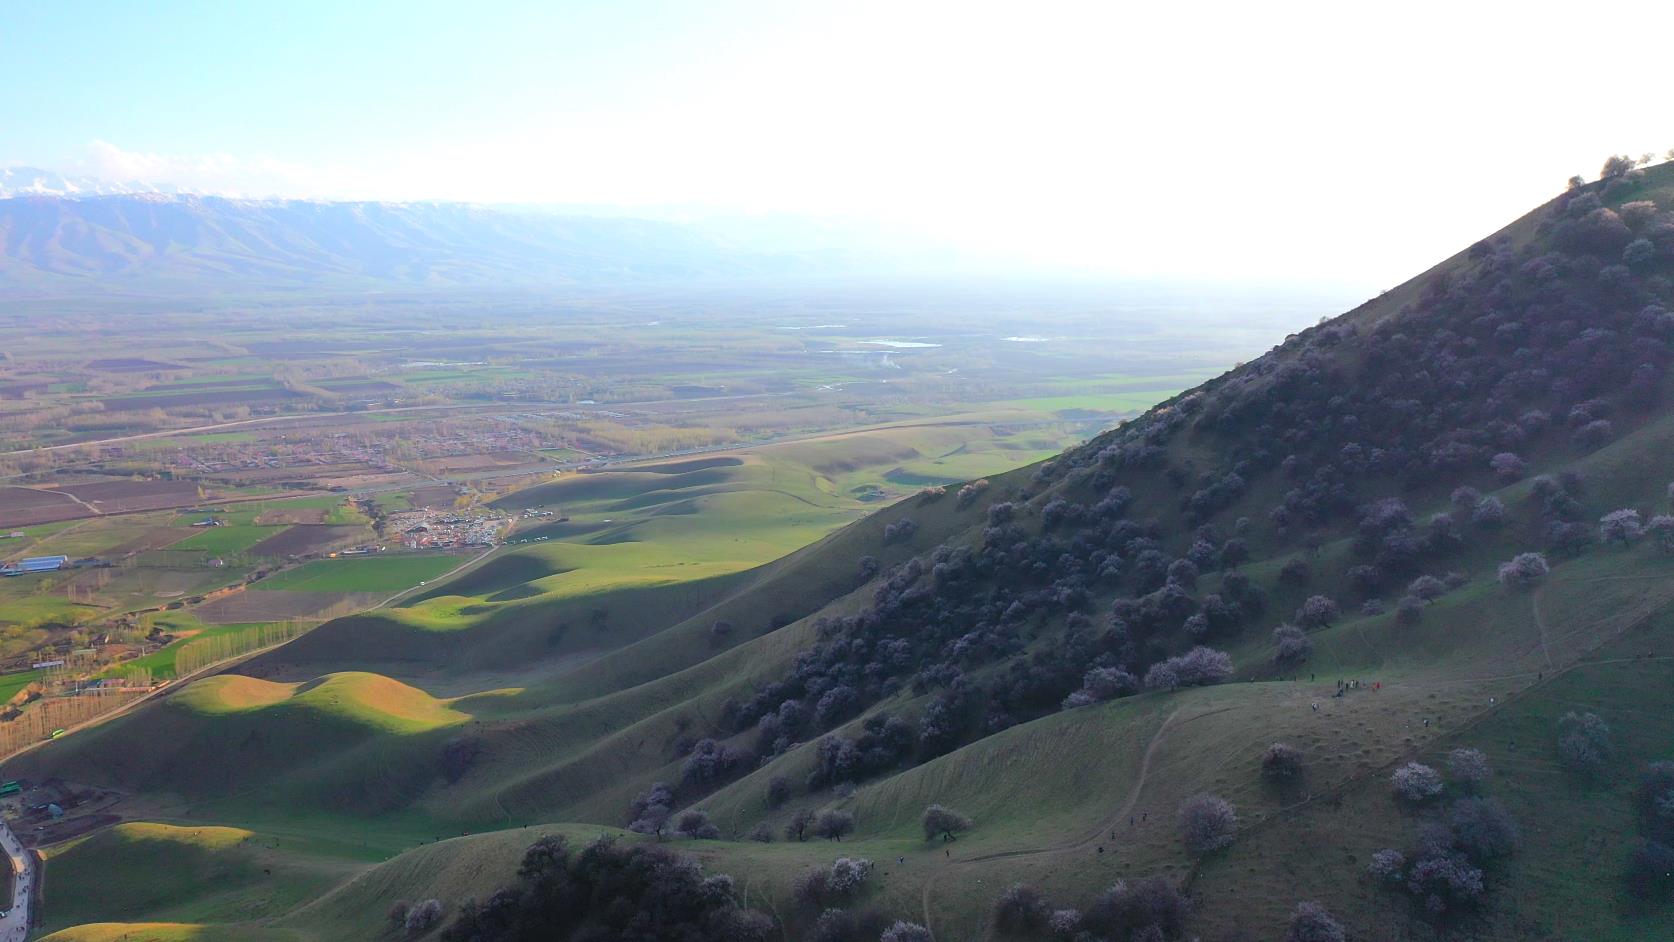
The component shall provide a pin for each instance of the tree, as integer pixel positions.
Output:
(1482, 829)
(650, 812)
(1620, 526)
(797, 828)
(1319, 611)
(846, 876)
(1416, 783)
(778, 791)
(1508, 466)
(695, 824)
(422, 916)
(1584, 743)
(1469, 767)
(1387, 866)
(1021, 909)
(944, 821)
(1409, 610)
(1282, 762)
(1311, 923)
(397, 914)
(1616, 165)
(833, 824)
(1661, 530)
(1295, 571)
(1651, 871)
(1291, 645)
(1207, 823)
(1524, 571)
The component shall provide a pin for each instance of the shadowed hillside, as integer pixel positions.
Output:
(1380, 621)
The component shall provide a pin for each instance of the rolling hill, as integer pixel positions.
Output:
(1439, 522)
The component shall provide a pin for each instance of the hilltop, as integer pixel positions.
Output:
(1433, 530)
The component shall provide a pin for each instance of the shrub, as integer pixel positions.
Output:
(1427, 588)
(1021, 909)
(1207, 823)
(900, 531)
(1282, 762)
(1584, 743)
(1146, 909)
(1469, 767)
(970, 492)
(421, 916)
(1295, 572)
(1524, 571)
(1064, 923)
(833, 824)
(903, 931)
(397, 914)
(762, 833)
(944, 821)
(1489, 513)
(1508, 467)
(1416, 783)
(1444, 882)
(1311, 923)
(1651, 871)
(1409, 610)
(1482, 829)
(1291, 645)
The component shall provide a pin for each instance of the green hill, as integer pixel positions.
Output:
(1067, 654)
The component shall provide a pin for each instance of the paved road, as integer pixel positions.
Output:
(14, 925)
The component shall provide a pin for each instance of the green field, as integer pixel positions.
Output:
(383, 573)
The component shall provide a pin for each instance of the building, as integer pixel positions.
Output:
(35, 564)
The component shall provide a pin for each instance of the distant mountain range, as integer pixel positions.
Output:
(63, 234)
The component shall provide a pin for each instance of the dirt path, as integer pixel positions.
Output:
(1080, 843)
(1540, 626)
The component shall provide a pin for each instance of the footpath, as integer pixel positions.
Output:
(14, 924)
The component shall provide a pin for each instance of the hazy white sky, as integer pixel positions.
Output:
(1351, 142)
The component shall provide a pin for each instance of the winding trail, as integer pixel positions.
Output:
(1079, 843)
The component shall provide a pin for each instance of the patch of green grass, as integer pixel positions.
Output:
(226, 540)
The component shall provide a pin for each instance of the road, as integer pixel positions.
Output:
(14, 925)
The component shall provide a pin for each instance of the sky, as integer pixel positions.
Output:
(1286, 142)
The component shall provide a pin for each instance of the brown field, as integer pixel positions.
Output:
(305, 538)
(435, 497)
(21, 506)
(127, 496)
(154, 538)
(369, 479)
(278, 605)
(486, 462)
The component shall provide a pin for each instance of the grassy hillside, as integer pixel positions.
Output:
(1026, 649)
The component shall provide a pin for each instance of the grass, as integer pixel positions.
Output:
(384, 573)
(227, 540)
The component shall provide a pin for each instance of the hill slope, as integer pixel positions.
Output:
(161, 242)
(1310, 549)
